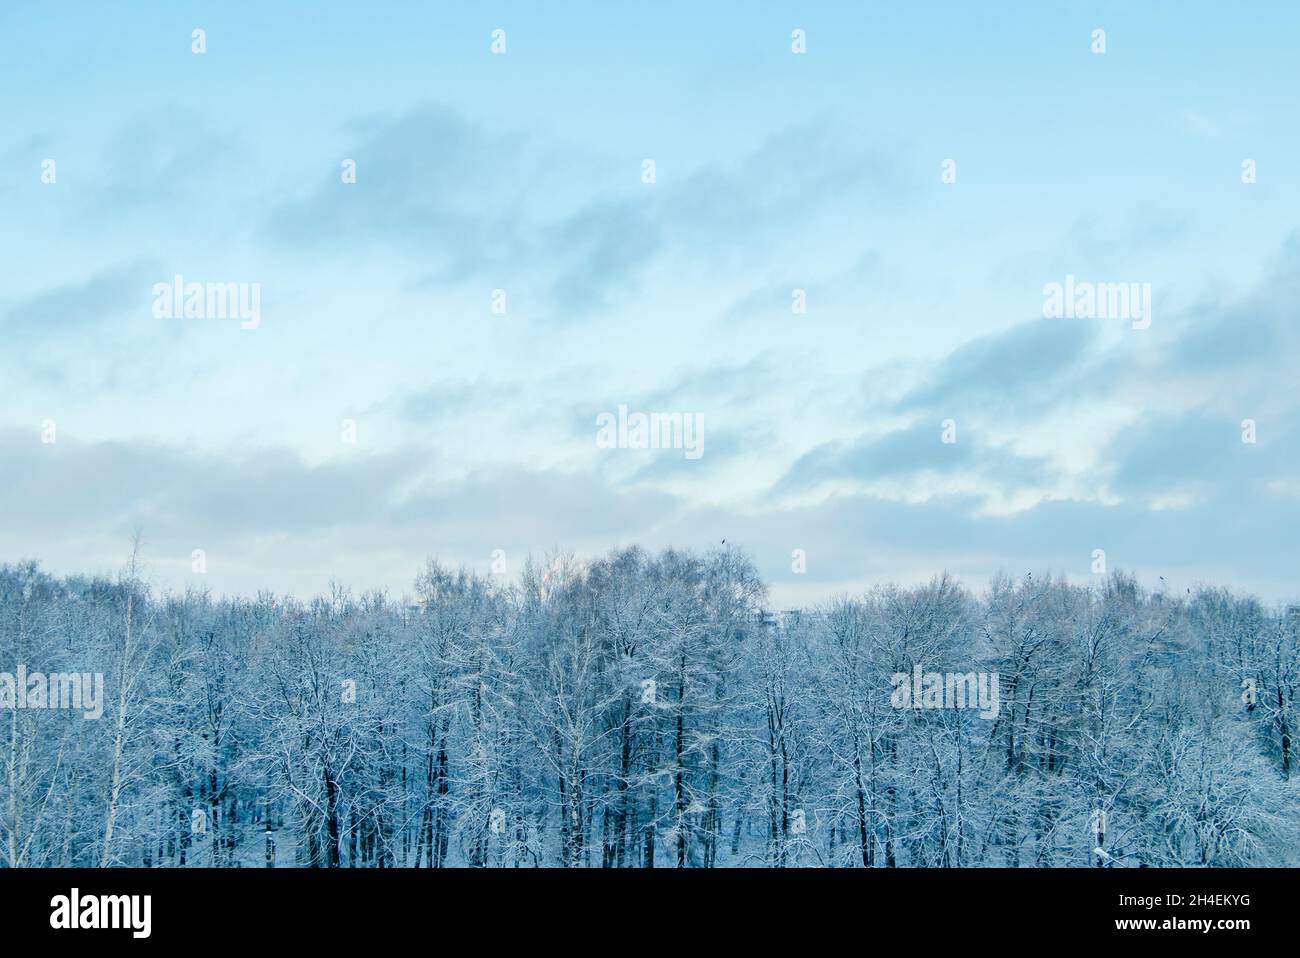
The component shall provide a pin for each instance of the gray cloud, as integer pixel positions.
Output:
(73, 308)
(908, 452)
(474, 204)
(269, 519)
(601, 250)
(1033, 361)
(421, 179)
(1202, 449)
(1260, 328)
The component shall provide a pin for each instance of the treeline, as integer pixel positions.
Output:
(642, 710)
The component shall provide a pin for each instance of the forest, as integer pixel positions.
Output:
(647, 710)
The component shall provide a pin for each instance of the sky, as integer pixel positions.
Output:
(839, 263)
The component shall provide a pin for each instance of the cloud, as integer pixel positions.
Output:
(71, 486)
(1102, 436)
(471, 204)
(600, 251)
(906, 454)
(72, 309)
(428, 182)
(855, 541)
(163, 158)
(803, 171)
(1039, 360)
(83, 499)
(268, 518)
(1202, 450)
(1258, 328)
(898, 453)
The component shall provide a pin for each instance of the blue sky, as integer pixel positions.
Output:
(775, 171)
